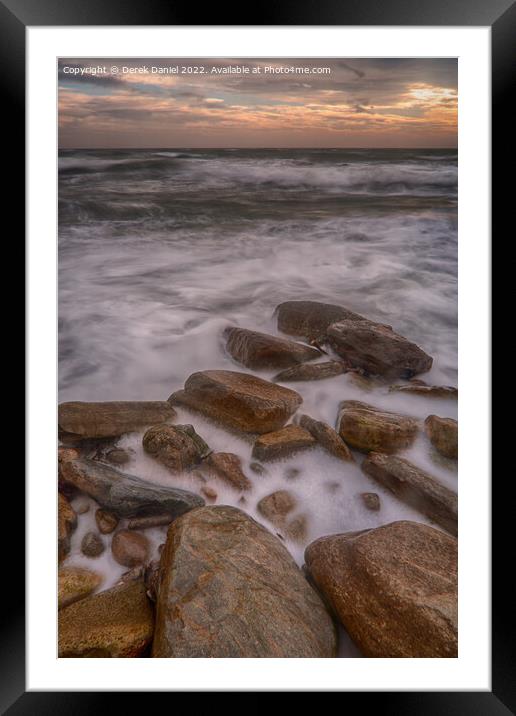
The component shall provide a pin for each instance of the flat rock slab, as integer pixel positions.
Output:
(311, 371)
(282, 443)
(259, 350)
(177, 447)
(230, 589)
(443, 434)
(394, 588)
(377, 349)
(415, 487)
(311, 319)
(111, 419)
(367, 428)
(116, 623)
(126, 495)
(228, 467)
(429, 391)
(239, 401)
(327, 438)
(75, 583)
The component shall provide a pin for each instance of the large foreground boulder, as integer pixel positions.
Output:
(229, 588)
(366, 428)
(415, 487)
(75, 583)
(116, 623)
(259, 350)
(111, 419)
(377, 349)
(311, 319)
(443, 434)
(126, 495)
(239, 401)
(394, 588)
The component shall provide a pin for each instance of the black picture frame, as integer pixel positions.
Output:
(500, 15)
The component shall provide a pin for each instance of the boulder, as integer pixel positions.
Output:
(111, 419)
(227, 467)
(126, 495)
(259, 350)
(327, 438)
(276, 506)
(178, 447)
(229, 588)
(282, 443)
(377, 349)
(75, 583)
(394, 588)
(92, 545)
(106, 521)
(311, 319)
(130, 548)
(429, 391)
(311, 371)
(366, 428)
(415, 487)
(66, 523)
(443, 434)
(239, 401)
(371, 500)
(116, 623)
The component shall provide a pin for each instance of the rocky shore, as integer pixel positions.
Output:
(198, 577)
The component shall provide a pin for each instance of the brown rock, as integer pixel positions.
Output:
(66, 523)
(430, 391)
(117, 456)
(297, 528)
(366, 428)
(282, 443)
(227, 467)
(371, 500)
(143, 523)
(394, 588)
(275, 507)
(443, 434)
(81, 505)
(239, 401)
(229, 588)
(311, 319)
(178, 447)
(92, 545)
(106, 521)
(259, 350)
(327, 438)
(377, 349)
(209, 493)
(130, 548)
(75, 583)
(116, 623)
(311, 371)
(111, 419)
(66, 453)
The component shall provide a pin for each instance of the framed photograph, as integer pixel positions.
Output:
(258, 265)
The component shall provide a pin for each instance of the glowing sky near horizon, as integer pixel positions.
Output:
(359, 103)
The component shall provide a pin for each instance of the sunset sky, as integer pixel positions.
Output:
(358, 103)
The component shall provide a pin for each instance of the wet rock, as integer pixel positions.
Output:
(209, 493)
(276, 507)
(130, 548)
(75, 583)
(81, 505)
(227, 467)
(430, 391)
(143, 523)
(297, 528)
(115, 623)
(259, 350)
(415, 487)
(118, 456)
(66, 453)
(151, 579)
(377, 349)
(311, 319)
(258, 468)
(111, 419)
(92, 545)
(327, 438)
(126, 495)
(66, 523)
(178, 447)
(106, 521)
(229, 588)
(311, 371)
(282, 443)
(239, 401)
(443, 434)
(394, 588)
(366, 428)
(371, 500)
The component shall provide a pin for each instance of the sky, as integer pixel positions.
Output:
(228, 103)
